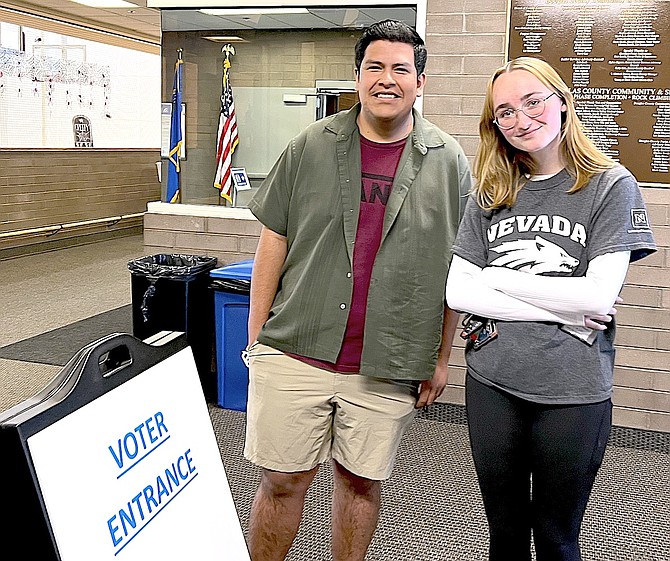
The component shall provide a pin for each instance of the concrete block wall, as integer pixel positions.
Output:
(229, 234)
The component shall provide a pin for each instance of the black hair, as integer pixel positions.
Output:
(392, 30)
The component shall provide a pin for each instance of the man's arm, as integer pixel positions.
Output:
(268, 261)
(430, 390)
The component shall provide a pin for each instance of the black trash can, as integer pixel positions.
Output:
(170, 292)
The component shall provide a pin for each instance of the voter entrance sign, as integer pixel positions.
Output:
(136, 473)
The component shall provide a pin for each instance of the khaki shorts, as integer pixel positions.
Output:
(299, 416)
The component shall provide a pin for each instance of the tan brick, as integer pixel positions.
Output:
(159, 238)
(242, 227)
(663, 340)
(665, 251)
(656, 259)
(662, 235)
(482, 65)
(648, 276)
(632, 336)
(469, 145)
(631, 418)
(658, 215)
(442, 105)
(650, 400)
(634, 378)
(155, 249)
(207, 242)
(653, 195)
(457, 124)
(228, 257)
(456, 376)
(659, 421)
(472, 105)
(248, 244)
(642, 296)
(469, 45)
(444, 64)
(175, 222)
(456, 85)
(661, 380)
(649, 318)
(457, 357)
(471, 6)
(643, 358)
(443, 23)
(453, 394)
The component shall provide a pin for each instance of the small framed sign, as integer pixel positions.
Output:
(240, 179)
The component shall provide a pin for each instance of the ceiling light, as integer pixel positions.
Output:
(225, 39)
(252, 11)
(106, 3)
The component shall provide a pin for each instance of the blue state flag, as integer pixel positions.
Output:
(172, 194)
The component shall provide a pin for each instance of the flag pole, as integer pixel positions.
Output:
(227, 138)
(173, 191)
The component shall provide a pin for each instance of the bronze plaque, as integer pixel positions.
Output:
(615, 56)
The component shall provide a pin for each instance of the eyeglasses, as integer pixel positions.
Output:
(533, 107)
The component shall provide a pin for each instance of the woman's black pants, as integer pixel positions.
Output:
(536, 466)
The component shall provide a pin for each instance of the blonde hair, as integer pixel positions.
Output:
(500, 169)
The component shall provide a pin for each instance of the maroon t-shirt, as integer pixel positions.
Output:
(378, 166)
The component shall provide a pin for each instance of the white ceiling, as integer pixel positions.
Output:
(139, 23)
(317, 18)
(145, 23)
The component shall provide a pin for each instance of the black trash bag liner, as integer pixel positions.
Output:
(237, 286)
(171, 266)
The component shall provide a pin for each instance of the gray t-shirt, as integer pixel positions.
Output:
(551, 232)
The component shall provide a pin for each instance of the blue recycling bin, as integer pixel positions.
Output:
(231, 285)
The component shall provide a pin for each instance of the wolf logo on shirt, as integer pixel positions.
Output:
(535, 256)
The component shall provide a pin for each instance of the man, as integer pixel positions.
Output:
(348, 330)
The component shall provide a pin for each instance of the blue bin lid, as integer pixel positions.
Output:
(241, 270)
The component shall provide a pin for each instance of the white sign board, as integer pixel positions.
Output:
(137, 474)
(166, 125)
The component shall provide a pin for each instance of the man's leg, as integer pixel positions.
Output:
(356, 502)
(276, 513)
(371, 415)
(288, 434)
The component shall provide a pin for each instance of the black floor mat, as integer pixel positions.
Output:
(59, 345)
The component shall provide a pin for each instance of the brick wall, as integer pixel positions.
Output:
(229, 234)
(40, 189)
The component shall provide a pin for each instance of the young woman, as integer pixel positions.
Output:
(539, 260)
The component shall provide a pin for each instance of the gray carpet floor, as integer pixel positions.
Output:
(432, 509)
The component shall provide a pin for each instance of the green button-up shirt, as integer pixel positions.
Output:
(312, 196)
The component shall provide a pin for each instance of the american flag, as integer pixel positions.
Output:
(227, 138)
